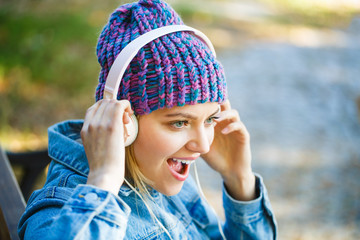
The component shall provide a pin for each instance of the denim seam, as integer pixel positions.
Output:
(68, 165)
(64, 179)
(158, 231)
(245, 219)
(50, 192)
(122, 220)
(88, 208)
(154, 233)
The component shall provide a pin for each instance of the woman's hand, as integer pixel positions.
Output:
(230, 154)
(103, 135)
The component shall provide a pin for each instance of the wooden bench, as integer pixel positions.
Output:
(12, 202)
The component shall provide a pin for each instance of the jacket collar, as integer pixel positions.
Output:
(66, 148)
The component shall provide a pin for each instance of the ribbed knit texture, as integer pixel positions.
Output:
(173, 70)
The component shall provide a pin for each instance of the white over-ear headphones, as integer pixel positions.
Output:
(128, 53)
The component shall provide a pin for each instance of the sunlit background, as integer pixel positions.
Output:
(293, 70)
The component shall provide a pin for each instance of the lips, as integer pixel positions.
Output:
(179, 167)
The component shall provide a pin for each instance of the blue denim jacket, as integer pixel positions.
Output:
(67, 208)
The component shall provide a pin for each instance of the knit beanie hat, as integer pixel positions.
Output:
(173, 70)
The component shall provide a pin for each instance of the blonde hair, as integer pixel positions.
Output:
(133, 173)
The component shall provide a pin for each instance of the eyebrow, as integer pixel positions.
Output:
(188, 115)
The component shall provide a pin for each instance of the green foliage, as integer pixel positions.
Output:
(55, 50)
(47, 64)
(317, 13)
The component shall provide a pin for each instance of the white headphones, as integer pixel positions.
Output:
(128, 53)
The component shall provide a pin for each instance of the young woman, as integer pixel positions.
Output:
(101, 186)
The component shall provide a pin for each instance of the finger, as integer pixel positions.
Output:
(236, 126)
(128, 111)
(123, 111)
(230, 115)
(225, 105)
(90, 113)
(127, 106)
(106, 113)
(100, 118)
(112, 115)
(126, 118)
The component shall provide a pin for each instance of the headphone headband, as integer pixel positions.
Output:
(128, 53)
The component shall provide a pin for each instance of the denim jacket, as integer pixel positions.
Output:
(67, 208)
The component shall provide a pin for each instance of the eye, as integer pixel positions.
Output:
(179, 124)
(210, 120)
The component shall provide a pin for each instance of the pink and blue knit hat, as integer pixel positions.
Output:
(173, 70)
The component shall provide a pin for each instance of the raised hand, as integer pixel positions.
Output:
(103, 135)
(230, 154)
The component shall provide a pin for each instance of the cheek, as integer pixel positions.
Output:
(154, 145)
(211, 133)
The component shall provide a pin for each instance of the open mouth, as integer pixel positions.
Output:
(179, 168)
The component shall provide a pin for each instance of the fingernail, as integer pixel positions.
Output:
(225, 130)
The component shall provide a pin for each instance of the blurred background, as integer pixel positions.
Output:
(293, 70)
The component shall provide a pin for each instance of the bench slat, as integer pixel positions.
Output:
(12, 202)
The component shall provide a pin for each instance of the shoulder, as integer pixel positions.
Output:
(60, 184)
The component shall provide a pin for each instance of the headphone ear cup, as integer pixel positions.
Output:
(132, 130)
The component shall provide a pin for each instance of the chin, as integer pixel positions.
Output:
(171, 189)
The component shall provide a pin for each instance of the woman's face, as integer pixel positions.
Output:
(170, 139)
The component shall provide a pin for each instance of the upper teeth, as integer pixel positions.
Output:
(183, 161)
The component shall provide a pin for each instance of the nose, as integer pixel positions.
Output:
(200, 140)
